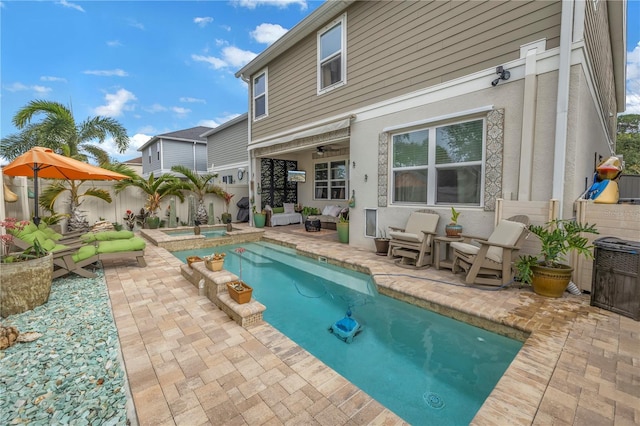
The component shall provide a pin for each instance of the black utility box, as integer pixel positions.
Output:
(616, 276)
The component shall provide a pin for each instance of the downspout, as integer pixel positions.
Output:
(562, 105)
(528, 125)
(250, 176)
(195, 166)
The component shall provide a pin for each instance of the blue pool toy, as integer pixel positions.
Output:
(346, 329)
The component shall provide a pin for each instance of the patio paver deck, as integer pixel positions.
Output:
(189, 364)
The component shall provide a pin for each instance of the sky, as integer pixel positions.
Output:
(158, 66)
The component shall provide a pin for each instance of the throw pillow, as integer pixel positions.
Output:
(278, 210)
(326, 211)
(289, 208)
(335, 210)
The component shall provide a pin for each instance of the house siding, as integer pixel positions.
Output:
(182, 153)
(416, 44)
(598, 47)
(228, 146)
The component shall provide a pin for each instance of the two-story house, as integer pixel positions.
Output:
(184, 147)
(417, 104)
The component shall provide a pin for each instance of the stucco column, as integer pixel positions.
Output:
(528, 125)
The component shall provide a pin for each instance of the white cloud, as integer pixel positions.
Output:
(204, 21)
(16, 87)
(107, 73)
(155, 108)
(36, 89)
(281, 4)
(268, 33)
(227, 28)
(41, 89)
(135, 142)
(180, 111)
(52, 78)
(220, 42)
(633, 81)
(237, 57)
(114, 43)
(65, 3)
(116, 103)
(192, 100)
(135, 24)
(217, 121)
(215, 63)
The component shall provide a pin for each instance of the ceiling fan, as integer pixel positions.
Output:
(321, 150)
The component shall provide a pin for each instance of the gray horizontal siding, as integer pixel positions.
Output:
(598, 46)
(228, 146)
(394, 48)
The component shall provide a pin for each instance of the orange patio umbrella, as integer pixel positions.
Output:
(44, 163)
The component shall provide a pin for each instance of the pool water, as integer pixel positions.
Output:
(425, 367)
(214, 233)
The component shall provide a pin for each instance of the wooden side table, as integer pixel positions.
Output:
(440, 243)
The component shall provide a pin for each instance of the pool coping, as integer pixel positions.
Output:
(577, 358)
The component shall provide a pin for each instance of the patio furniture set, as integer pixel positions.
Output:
(484, 261)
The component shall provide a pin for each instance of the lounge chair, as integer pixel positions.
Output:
(78, 255)
(412, 245)
(489, 262)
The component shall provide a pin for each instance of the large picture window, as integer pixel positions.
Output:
(260, 95)
(332, 55)
(330, 180)
(439, 165)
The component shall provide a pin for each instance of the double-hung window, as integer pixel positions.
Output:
(439, 165)
(330, 180)
(332, 55)
(260, 95)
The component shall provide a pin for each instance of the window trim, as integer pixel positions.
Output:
(265, 72)
(342, 20)
(328, 162)
(431, 166)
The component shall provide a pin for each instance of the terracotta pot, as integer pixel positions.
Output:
(193, 259)
(25, 285)
(243, 296)
(214, 265)
(550, 282)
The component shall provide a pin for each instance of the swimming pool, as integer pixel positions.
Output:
(427, 368)
(211, 233)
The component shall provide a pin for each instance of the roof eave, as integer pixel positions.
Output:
(617, 14)
(305, 27)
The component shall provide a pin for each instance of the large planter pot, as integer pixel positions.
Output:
(343, 232)
(550, 282)
(153, 222)
(25, 285)
(239, 291)
(259, 220)
(382, 246)
(214, 265)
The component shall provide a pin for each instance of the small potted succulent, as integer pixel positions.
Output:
(453, 229)
(214, 262)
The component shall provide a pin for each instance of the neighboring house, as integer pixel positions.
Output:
(134, 164)
(227, 150)
(433, 104)
(184, 147)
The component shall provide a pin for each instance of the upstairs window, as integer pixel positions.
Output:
(332, 55)
(439, 165)
(260, 95)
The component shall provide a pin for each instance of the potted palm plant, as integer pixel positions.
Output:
(546, 273)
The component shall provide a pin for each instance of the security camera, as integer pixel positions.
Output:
(495, 82)
(502, 75)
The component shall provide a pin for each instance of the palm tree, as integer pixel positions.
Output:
(200, 185)
(59, 131)
(155, 189)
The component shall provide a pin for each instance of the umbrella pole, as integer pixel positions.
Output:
(36, 219)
